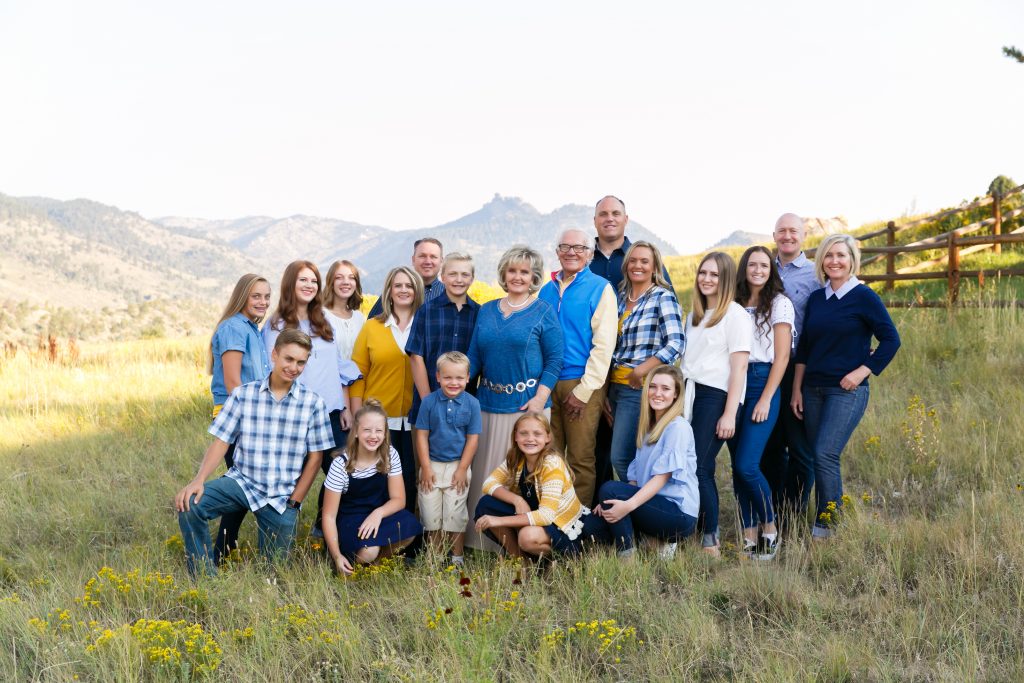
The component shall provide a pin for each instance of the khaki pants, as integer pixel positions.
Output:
(576, 438)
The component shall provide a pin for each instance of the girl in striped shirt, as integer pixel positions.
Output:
(530, 505)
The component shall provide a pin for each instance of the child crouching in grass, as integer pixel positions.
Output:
(364, 500)
(530, 505)
(447, 433)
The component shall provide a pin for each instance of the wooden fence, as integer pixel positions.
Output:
(956, 243)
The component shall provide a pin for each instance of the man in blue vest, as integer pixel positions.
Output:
(586, 309)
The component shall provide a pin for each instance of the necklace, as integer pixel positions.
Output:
(509, 303)
(632, 300)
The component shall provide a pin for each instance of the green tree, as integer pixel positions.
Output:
(1001, 186)
(1014, 53)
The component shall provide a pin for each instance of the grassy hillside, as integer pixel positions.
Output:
(923, 582)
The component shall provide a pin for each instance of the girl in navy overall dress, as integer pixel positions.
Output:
(364, 496)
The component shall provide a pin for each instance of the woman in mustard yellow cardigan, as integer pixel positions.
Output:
(387, 376)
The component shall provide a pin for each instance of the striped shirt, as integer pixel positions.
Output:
(654, 328)
(338, 476)
(271, 439)
(559, 504)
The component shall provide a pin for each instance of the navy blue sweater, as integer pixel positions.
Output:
(836, 338)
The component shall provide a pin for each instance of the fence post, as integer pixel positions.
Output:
(997, 213)
(953, 269)
(890, 259)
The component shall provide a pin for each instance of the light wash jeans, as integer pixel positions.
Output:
(222, 496)
(831, 414)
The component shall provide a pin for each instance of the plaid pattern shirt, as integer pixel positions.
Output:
(654, 328)
(271, 439)
(439, 327)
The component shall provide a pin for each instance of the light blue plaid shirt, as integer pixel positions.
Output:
(271, 439)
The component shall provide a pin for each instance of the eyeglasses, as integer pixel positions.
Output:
(577, 249)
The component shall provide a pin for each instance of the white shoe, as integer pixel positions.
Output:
(667, 550)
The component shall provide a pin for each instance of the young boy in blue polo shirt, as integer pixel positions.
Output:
(447, 433)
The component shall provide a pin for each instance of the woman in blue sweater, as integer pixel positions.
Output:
(516, 350)
(833, 362)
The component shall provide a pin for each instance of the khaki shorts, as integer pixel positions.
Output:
(443, 509)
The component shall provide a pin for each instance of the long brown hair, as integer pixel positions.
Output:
(236, 304)
(726, 289)
(371, 407)
(327, 294)
(515, 459)
(286, 315)
(772, 288)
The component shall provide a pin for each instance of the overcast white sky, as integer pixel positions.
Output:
(705, 118)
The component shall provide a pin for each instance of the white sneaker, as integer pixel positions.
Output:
(667, 550)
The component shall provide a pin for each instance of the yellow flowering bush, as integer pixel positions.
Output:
(177, 647)
(109, 586)
(606, 639)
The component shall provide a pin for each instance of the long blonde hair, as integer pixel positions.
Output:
(387, 305)
(236, 304)
(726, 289)
(646, 433)
(658, 274)
(515, 459)
(371, 407)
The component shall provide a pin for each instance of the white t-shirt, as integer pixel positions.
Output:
(346, 331)
(706, 359)
(763, 347)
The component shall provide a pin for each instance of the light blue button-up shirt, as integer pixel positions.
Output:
(799, 281)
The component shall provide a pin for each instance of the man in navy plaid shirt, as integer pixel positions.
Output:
(274, 424)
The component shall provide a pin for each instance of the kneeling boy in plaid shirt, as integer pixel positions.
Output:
(274, 423)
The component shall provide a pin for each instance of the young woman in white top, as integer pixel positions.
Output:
(771, 313)
(718, 337)
(342, 297)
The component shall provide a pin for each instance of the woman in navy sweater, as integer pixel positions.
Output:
(833, 361)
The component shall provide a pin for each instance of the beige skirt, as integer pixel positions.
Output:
(495, 440)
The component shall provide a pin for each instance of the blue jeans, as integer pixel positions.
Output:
(708, 406)
(222, 496)
(831, 414)
(788, 461)
(595, 529)
(658, 517)
(625, 402)
(752, 491)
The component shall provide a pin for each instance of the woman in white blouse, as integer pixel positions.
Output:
(771, 315)
(342, 297)
(718, 336)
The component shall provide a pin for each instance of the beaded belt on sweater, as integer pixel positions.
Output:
(507, 388)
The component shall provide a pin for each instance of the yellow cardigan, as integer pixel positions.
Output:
(387, 375)
(559, 504)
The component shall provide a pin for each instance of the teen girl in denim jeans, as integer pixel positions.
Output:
(833, 361)
(759, 291)
(718, 336)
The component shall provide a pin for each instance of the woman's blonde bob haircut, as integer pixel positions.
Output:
(649, 431)
(726, 289)
(520, 253)
(828, 243)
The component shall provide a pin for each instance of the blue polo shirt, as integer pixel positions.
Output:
(237, 333)
(450, 421)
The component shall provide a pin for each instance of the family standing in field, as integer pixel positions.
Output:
(581, 408)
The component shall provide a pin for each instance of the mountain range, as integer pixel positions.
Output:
(85, 269)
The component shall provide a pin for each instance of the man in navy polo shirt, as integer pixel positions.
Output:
(610, 248)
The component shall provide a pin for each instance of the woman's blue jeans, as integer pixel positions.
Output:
(625, 402)
(831, 414)
(659, 517)
(708, 406)
(746, 448)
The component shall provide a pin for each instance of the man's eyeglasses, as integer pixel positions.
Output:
(578, 249)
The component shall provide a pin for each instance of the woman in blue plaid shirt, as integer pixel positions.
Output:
(650, 334)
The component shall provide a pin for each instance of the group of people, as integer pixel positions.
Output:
(581, 407)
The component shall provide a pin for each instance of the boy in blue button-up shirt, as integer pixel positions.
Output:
(448, 429)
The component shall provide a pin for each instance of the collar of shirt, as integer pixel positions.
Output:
(457, 399)
(401, 336)
(445, 300)
(847, 286)
(265, 386)
(621, 249)
(799, 262)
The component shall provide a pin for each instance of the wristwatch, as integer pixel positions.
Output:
(294, 504)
